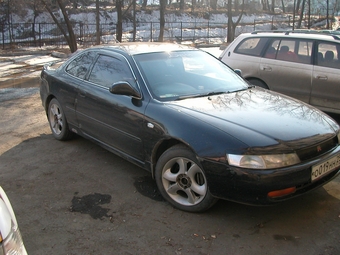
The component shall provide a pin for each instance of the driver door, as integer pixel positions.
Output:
(113, 120)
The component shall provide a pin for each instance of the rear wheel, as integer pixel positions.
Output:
(58, 122)
(258, 83)
(181, 180)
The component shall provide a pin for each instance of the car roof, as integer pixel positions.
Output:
(301, 34)
(134, 48)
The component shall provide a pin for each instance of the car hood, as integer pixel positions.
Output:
(261, 118)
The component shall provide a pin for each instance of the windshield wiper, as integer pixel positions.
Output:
(213, 93)
(188, 96)
(237, 90)
(201, 95)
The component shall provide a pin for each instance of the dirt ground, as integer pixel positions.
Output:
(76, 198)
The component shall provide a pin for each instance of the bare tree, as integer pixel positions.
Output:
(181, 4)
(7, 18)
(69, 34)
(37, 9)
(98, 32)
(134, 21)
(119, 28)
(264, 4)
(193, 4)
(231, 24)
(283, 7)
(144, 4)
(161, 19)
(120, 15)
(297, 7)
(301, 13)
(213, 4)
(272, 7)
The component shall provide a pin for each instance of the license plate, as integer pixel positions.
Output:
(325, 167)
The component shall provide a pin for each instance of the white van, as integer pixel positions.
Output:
(303, 65)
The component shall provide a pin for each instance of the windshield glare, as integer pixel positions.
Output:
(178, 74)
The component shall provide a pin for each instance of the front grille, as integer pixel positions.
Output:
(317, 150)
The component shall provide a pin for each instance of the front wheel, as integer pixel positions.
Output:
(57, 121)
(181, 180)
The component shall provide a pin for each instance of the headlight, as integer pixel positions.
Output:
(10, 237)
(263, 161)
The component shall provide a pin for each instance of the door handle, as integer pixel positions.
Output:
(266, 68)
(322, 77)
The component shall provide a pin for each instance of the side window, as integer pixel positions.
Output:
(287, 51)
(271, 51)
(304, 51)
(252, 46)
(108, 70)
(80, 65)
(328, 55)
(290, 50)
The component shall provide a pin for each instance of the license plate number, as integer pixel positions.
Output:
(325, 167)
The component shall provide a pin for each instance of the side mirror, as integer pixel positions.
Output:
(124, 88)
(238, 72)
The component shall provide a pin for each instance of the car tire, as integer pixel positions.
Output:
(181, 180)
(58, 122)
(258, 83)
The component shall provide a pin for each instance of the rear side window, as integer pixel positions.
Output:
(298, 51)
(252, 46)
(80, 65)
(328, 55)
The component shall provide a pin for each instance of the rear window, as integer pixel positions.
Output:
(252, 46)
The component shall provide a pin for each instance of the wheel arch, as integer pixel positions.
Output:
(257, 82)
(47, 102)
(161, 147)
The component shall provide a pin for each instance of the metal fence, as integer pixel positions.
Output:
(41, 34)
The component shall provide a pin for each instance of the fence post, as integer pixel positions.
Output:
(81, 32)
(3, 36)
(40, 35)
(193, 39)
(151, 32)
(208, 32)
(181, 31)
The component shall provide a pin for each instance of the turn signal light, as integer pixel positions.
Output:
(281, 192)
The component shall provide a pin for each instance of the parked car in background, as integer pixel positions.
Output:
(10, 237)
(201, 130)
(301, 64)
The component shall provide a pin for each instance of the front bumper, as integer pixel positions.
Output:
(251, 186)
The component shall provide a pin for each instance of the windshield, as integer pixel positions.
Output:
(182, 74)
